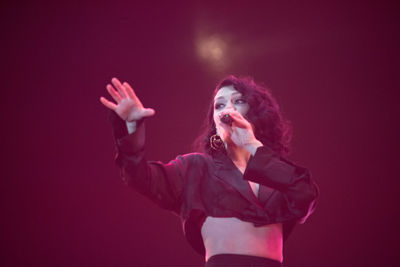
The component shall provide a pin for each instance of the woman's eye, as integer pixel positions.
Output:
(218, 106)
(240, 101)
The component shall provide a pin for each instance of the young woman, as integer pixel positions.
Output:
(238, 197)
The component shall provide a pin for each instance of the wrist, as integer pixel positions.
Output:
(131, 125)
(252, 147)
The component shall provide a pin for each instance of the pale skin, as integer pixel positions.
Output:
(127, 106)
(239, 138)
(220, 235)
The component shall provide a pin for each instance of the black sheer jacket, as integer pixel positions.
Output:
(196, 185)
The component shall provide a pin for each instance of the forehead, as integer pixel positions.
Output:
(226, 92)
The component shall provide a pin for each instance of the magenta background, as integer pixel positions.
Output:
(332, 65)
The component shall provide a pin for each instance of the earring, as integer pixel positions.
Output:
(216, 142)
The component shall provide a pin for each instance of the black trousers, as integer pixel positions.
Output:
(236, 260)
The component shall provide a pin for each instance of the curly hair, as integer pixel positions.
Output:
(270, 128)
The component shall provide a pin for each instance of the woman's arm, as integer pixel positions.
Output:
(296, 191)
(162, 183)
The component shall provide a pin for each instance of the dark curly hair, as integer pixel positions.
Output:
(270, 128)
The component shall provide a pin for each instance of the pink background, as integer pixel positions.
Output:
(332, 65)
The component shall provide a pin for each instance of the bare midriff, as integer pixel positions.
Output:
(233, 236)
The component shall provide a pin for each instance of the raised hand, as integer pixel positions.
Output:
(127, 106)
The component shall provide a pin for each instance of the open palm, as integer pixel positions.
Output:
(127, 106)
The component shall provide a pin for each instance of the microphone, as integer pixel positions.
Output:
(227, 119)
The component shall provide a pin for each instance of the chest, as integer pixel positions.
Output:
(222, 190)
(254, 186)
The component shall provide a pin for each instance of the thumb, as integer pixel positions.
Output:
(148, 112)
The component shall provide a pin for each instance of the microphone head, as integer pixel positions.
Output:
(227, 119)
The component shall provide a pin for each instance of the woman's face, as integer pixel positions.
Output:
(226, 100)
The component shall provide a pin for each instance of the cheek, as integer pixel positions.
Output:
(216, 122)
(216, 118)
(243, 110)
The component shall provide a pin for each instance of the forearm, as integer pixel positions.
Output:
(267, 168)
(162, 183)
(294, 183)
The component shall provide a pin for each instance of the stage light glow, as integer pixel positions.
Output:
(213, 51)
(211, 48)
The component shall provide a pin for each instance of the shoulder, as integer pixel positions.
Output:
(195, 158)
(195, 166)
(194, 162)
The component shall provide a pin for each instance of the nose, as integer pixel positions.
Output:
(229, 107)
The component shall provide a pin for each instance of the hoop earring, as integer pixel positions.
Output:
(216, 142)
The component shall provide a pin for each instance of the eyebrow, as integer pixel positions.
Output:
(236, 93)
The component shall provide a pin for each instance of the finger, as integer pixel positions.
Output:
(131, 92)
(114, 94)
(236, 120)
(236, 115)
(239, 120)
(148, 112)
(107, 103)
(123, 89)
(119, 87)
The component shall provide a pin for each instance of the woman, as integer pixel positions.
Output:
(239, 198)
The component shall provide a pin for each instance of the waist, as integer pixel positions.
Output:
(233, 236)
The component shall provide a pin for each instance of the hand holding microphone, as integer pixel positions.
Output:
(227, 119)
(236, 129)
